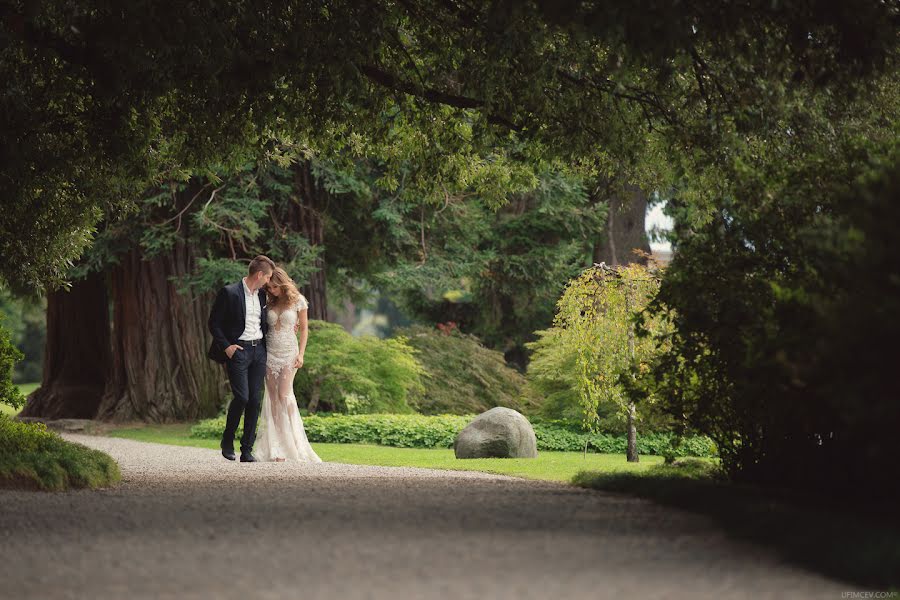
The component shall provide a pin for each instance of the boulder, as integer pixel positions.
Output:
(497, 433)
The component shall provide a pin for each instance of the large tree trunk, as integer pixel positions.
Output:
(76, 354)
(160, 371)
(625, 230)
(306, 216)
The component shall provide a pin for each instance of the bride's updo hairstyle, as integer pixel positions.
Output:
(289, 292)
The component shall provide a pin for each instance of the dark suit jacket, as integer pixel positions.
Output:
(226, 319)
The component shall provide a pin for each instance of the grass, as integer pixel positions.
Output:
(31, 457)
(808, 530)
(551, 466)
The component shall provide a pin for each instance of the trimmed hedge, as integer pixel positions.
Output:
(439, 431)
(33, 457)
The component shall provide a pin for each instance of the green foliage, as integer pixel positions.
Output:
(568, 435)
(377, 375)
(587, 358)
(553, 377)
(783, 298)
(497, 273)
(460, 375)
(439, 431)
(26, 323)
(33, 457)
(102, 100)
(9, 355)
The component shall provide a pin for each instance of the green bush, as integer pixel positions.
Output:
(33, 457)
(786, 308)
(9, 355)
(439, 431)
(461, 375)
(363, 375)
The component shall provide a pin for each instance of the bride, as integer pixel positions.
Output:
(281, 435)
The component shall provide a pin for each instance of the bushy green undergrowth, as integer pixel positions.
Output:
(461, 375)
(439, 431)
(33, 457)
(9, 355)
(356, 375)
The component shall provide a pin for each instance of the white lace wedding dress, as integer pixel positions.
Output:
(280, 433)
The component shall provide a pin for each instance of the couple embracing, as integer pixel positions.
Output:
(255, 324)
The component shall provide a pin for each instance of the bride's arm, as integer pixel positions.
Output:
(303, 330)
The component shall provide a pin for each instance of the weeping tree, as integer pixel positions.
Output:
(595, 325)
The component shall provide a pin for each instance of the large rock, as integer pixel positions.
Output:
(497, 433)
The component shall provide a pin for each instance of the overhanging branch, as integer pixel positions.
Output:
(391, 81)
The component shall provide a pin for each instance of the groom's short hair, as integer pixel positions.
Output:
(261, 263)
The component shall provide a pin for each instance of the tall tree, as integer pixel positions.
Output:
(159, 370)
(103, 96)
(625, 229)
(306, 216)
(76, 355)
(157, 367)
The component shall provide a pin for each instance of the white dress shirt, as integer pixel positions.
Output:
(252, 327)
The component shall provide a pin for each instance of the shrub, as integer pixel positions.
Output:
(32, 456)
(786, 307)
(375, 375)
(9, 355)
(439, 431)
(461, 375)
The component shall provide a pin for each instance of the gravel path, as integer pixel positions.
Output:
(186, 523)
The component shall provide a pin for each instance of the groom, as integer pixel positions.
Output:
(238, 325)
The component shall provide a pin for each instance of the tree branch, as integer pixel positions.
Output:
(391, 81)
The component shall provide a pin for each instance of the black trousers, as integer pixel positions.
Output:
(246, 374)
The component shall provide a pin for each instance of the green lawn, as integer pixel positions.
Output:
(25, 388)
(553, 466)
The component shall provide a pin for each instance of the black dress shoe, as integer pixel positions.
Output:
(248, 457)
(229, 454)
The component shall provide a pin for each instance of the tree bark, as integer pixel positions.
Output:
(632, 454)
(76, 353)
(160, 371)
(306, 216)
(626, 229)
